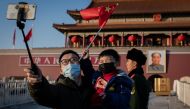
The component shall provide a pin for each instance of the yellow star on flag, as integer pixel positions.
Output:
(107, 9)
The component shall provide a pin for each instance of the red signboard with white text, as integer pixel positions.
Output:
(49, 60)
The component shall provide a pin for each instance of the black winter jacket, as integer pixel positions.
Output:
(64, 94)
(141, 89)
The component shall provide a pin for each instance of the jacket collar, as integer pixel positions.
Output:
(66, 82)
(138, 71)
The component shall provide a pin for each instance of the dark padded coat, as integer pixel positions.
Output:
(141, 89)
(64, 94)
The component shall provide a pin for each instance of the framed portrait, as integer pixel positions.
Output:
(156, 61)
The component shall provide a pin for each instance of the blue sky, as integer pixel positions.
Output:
(44, 35)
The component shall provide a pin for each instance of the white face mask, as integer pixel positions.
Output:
(72, 71)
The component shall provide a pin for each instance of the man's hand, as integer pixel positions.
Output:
(101, 83)
(85, 54)
(33, 79)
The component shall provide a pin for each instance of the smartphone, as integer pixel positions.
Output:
(13, 9)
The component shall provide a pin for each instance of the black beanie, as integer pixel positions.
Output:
(110, 52)
(136, 55)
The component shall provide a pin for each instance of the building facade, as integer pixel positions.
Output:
(148, 24)
(133, 23)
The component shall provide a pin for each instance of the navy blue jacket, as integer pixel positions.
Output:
(117, 93)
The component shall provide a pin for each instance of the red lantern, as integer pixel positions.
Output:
(95, 40)
(91, 38)
(181, 37)
(74, 39)
(112, 39)
(132, 38)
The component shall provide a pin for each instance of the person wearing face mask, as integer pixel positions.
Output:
(113, 86)
(73, 88)
(140, 93)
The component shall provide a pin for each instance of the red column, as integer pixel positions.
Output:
(102, 40)
(122, 39)
(69, 44)
(66, 41)
(83, 40)
(142, 39)
(171, 39)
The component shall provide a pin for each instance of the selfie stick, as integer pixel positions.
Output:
(21, 18)
(21, 27)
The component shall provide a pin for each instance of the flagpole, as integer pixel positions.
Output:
(33, 36)
(88, 47)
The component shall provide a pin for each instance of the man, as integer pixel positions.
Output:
(156, 66)
(72, 90)
(140, 93)
(113, 86)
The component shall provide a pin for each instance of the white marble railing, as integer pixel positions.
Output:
(14, 92)
(182, 89)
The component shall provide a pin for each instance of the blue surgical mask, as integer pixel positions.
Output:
(72, 71)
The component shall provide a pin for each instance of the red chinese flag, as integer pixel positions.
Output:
(105, 13)
(28, 36)
(102, 12)
(14, 37)
(91, 13)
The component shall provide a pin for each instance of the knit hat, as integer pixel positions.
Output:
(136, 55)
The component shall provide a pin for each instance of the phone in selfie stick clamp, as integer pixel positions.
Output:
(21, 12)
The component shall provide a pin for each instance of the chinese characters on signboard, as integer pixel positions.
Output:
(49, 60)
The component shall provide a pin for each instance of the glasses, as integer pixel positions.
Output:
(72, 61)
